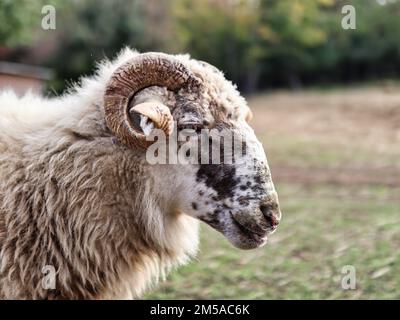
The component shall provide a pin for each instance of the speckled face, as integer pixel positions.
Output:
(237, 197)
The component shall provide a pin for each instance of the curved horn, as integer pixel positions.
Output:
(156, 112)
(144, 70)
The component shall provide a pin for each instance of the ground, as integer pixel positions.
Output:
(334, 157)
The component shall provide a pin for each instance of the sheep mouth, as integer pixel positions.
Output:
(239, 234)
(249, 237)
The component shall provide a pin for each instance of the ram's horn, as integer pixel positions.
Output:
(156, 112)
(142, 71)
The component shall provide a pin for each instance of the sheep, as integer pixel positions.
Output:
(78, 195)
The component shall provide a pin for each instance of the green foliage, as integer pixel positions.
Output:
(18, 18)
(374, 46)
(257, 43)
(290, 42)
(91, 30)
(224, 33)
(238, 36)
(296, 27)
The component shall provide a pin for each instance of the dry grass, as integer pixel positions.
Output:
(356, 132)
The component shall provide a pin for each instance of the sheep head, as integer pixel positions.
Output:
(235, 196)
(145, 70)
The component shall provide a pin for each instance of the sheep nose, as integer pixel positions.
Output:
(271, 211)
(272, 216)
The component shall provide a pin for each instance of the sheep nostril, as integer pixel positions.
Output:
(271, 214)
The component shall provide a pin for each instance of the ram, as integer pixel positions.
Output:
(79, 198)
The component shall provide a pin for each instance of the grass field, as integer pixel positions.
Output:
(335, 159)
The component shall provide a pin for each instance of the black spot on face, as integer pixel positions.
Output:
(217, 211)
(201, 193)
(194, 205)
(221, 178)
(258, 179)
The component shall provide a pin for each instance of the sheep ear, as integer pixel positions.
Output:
(149, 115)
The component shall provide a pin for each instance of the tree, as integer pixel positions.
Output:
(252, 38)
(226, 33)
(91, 30)
(296, 26)
(19, 19)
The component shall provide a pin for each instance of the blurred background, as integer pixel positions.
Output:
(327, 109)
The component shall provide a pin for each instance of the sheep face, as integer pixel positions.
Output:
(229, 186)
(236, 196)
(220, 169)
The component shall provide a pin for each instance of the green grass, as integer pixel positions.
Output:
(321, 232)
